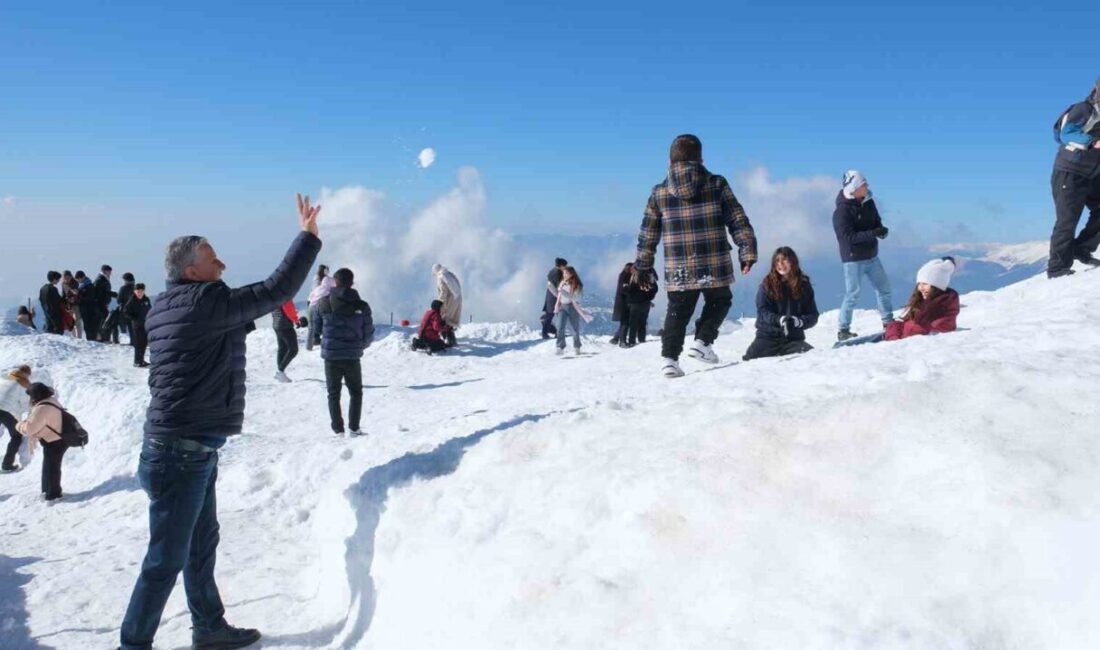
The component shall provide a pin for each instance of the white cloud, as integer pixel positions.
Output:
(8, 200)
(795, 212)
(426, 158)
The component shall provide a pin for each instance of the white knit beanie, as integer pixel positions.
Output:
(853, 180)
(937, 273)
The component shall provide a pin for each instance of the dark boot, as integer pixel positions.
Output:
(1060, 273)
(227, 638)
(1088, 258)
(845, 334)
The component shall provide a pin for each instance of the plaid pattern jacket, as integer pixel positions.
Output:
(691, 211)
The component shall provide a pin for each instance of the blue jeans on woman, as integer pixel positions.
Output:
(569, 314)
(853, 281)
(183, 536)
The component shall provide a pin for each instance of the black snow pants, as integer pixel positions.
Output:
(767, 346)
(337, 373)
(288, 347)
(7, 420)
(1072, 194)
(681, 307)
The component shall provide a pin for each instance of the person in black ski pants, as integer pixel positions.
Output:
(640, 292)
(785, 309)
(136, 309)
(1075, 184)
(284, 320)
(553, 279)
(13, 400)
(348, 330)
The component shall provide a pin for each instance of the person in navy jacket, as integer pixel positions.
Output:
(785, 309)
(858, 227)
(1075, 184)
(196, 332)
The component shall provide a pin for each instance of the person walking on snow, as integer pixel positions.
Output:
(349, 329)
(49, 296)
(785, 309)
(858, 228)
(322, 285)
(1075, 184)
(13, 399)
(136, 310)
(283, 321)
(449, 292)
(125, 292)
(569, 310)
(44, 424)
(553, 279)
(691, 211)
(429, 336)
(197, 331)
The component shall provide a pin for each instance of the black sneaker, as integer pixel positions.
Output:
(1088, 258)
(845, 334)
(1060, 273)
(11, 470)
(227, 638)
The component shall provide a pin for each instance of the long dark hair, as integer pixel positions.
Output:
(916, 302)
(322, 273)
(773, 283)
(574, 280)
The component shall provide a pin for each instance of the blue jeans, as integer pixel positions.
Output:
(569, 314)
(183, 536)
(853, 280)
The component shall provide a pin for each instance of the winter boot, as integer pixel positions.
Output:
(227, 638)
(1088, 258)
(702, 352)
(356, 432)
(1060, 273)
(671, 368)
(845, 334)
(559, 351)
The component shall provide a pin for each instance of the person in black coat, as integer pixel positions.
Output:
(197, 331)
(553, 279)
(1075, 184)
(620, 312)
(135, 310)
(103, 295)
(640, 292)
(87, 305)
(125, 292)
(785, 309)
(50, 299)
(348, 330)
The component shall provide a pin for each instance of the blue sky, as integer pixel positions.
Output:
(130, 114)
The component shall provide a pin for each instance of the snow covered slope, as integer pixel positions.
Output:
(941, 492)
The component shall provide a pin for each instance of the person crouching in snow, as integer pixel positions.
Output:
(348, 330)
(13, 399)
(44, 424)
(785, 309)
(933, 307)
(641, 289)
(284, 320)
(569, 309)
(449, 292)
(430, 335)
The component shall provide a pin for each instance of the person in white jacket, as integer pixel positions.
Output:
(13, 400)
(449, 292)
(569, 310)
(322, 286)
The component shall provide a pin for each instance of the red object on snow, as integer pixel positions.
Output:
(405, 323)
(290, 311)
(937, 316)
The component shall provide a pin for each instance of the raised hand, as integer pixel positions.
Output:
(307, 215)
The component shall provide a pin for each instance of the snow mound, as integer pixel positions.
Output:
(935, 492)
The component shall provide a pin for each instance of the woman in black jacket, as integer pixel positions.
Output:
(785, 308)
(620, 311)
(640, 292)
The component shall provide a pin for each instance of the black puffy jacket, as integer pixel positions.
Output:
(197, 346)
(347, 324)
(103, 293)
(853, 221)
(768, 312)
(125, 292)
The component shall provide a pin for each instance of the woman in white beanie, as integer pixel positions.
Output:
(933, 307)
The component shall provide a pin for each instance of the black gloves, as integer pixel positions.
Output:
(789, 323)
(303, 321)
(881, 232)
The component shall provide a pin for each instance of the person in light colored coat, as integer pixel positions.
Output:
(43, 424)
(449, 292)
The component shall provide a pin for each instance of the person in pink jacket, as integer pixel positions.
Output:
(43, 424)
(933, 307)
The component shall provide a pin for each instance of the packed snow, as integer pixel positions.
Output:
(936, 492)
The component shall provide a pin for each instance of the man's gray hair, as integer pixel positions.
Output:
(181, 254)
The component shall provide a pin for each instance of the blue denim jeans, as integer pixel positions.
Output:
(183, 536)
(569, 314)
(854, 273)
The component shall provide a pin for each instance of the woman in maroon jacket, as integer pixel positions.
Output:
(933, 307)
(430, 335)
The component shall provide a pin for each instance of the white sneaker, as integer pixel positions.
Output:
(702, 352)
(281, 376)
(355, 432)
(576, 352)
(671, 368)
(559, 351)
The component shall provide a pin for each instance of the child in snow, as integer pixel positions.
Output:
(348, 330)
(620, 313)
(430, 334)
(785, 308)
(284, 320)
(135, 310)
(569, 310)
(932, 309)
(640, 292)
(13, 399)
(44, 424)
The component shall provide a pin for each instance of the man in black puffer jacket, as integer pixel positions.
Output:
(858, 227)
(196, 332)
(348, 330)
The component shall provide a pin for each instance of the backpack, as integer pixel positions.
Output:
(72, 434)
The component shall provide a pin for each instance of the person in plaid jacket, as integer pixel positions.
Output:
(692, 211)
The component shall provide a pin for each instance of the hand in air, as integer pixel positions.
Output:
(307, 215)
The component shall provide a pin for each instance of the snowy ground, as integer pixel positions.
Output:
(941, 492)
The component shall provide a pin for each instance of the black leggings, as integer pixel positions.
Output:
(637, 315)
(52, 453)
(8, 420)
(288, 348)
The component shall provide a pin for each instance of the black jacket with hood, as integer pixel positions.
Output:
(347, 325)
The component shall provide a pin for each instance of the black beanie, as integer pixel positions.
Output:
(437, 305)
(38, 392)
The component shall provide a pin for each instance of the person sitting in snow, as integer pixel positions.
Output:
(430, 334)
(449, 292)
(932, 309)
(25, 317)
(641, 289)
(569, 309)
(620, 311)
(13, 399)
(785, 309)
(348, 330)
(44, 424)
